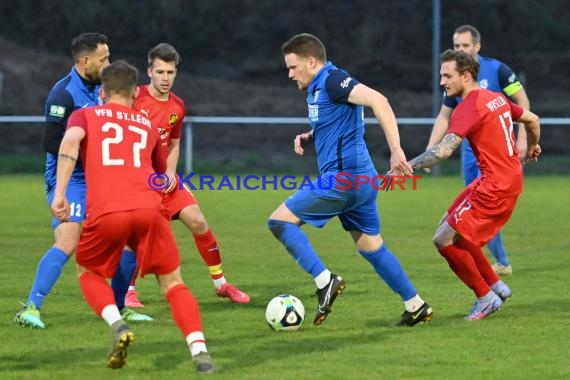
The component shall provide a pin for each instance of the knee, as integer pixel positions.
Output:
(169, 281)
(195, 220)
(276, 227)
(439, 241)
(199, 224)
(67, 244)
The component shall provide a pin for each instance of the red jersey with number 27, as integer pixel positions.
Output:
(119, 151)
(485, 118)
(167, 116)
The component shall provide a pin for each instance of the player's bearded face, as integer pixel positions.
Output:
(298, 70)
(96, 62)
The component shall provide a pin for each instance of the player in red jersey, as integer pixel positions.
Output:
(485, 118)
(166, 112)
(120, 151)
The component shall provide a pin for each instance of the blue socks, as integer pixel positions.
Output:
(497, 248)
(383, 261)
(123, 277)
(51, 265)
(391, 271)
(298, 246)
(49, 270)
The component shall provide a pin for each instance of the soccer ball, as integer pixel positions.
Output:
(285, 313)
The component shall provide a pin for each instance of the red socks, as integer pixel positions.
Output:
(483, 265)
(184, 309)
(97, 291)
(465, 267)
(208, 247)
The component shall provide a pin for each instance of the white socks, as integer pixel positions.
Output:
(414, 303)
(323, 279)
(196, 343)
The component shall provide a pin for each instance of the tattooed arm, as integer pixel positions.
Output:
(438, 153)
(67, 158)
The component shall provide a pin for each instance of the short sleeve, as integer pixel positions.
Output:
(464, 120)
(78, 119)
(508, 80)
(450, 101)
(59, 106)
(339, 85)
(177, 128)
(516, 110)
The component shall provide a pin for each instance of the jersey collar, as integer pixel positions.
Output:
(89, 86)
(317, 78)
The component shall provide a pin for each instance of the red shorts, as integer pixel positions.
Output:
(146, 231)
(177, 200)
(477, 220)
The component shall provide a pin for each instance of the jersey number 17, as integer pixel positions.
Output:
(507, 124)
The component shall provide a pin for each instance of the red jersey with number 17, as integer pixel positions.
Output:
(485, 118)
(119, 151)
(167, 116)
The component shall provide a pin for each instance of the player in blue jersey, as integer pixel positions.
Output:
(495, 76)
(335, 101)
(78, 89)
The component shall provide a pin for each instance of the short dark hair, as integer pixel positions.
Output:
(165, 52)
(475, 35)
(305, 45)
(119, 77)
(464, 62)
(86, 43)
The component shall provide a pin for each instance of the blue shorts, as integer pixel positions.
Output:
(75, 196)
(355, 208)
(469, 166)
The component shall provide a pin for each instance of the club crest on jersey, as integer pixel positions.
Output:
(173, 119)
(484, 83)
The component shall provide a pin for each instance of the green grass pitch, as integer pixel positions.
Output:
(527, 339)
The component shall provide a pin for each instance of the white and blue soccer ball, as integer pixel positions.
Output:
(285, 313)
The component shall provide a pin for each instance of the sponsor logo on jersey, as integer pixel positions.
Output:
(173, 119)
(463, 206)
(164, 133)
(484, 83)
(57, 111)
(344, 83)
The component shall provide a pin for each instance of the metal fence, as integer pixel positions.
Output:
(190, 122)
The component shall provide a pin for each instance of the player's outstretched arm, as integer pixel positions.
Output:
(438, 153)
(365, 96)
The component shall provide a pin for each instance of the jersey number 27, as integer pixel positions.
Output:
(107, 142)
